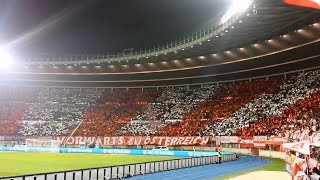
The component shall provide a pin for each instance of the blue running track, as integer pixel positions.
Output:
(207, 171)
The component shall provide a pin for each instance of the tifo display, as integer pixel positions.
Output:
(277, 106)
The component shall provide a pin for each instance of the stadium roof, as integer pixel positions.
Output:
(264, 20)
(98, 26)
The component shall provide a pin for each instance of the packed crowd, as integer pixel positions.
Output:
(294, 122)
(13, 103)
(229, 99)
(269, 104)
(258, 107)
(11, 113)
(169, 108)
(55, 110)
(114, 110)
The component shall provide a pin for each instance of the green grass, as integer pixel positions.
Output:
(274, 165)
(16, 163)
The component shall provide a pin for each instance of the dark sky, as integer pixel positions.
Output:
(97, 26)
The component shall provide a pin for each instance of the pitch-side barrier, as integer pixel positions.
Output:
(125, 171)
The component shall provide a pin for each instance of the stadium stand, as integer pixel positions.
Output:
(169, 108)
(299, 118)
(230, 98)
(115, 109)
(258, 107)
(269, 104)
(13, 104)
(55, 110)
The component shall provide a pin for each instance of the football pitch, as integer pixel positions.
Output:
(20, 163)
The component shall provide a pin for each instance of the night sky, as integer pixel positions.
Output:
(99, 26)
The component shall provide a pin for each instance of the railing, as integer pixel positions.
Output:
(124, 171)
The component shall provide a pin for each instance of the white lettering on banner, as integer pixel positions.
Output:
(139, 140)
(99, 141)
(225, 139)
(121, 140)
(259, 145)
(234, 139)
(218, 140)
(147, 140)
(246, 141)
(260, 138)
(78, 139)
(173, 141)
(197, 140)
(259, 141)
(180, 139)
(186, 140)
(278, 139)
(161, 139)
(154, 140)
(106, 140)
(167, 141)
(204, 140)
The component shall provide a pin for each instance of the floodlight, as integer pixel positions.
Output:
(237, 7)
(5, 59)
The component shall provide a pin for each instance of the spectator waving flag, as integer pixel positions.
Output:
(302, 147)
(299, 168)
(304, 3)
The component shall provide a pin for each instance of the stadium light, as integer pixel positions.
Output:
(5, 59)
(237, 7)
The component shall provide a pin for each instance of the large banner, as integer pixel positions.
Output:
(229, 139)
(275, 140)
(135, 140)
(302, 147)
(246, 142)
(259, 142)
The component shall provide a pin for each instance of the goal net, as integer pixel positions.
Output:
(48, 145)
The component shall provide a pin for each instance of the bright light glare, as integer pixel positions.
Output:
(5, 60)
(237, 7)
